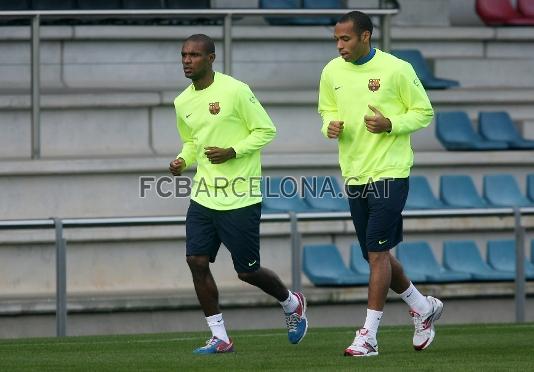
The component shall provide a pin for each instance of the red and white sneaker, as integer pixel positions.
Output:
(215, 346)
(424, 324)
(363, 345)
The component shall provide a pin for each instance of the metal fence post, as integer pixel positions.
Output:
(36, 87)
(519, 268)
(296, 261)
(227, 39)
(61, 280)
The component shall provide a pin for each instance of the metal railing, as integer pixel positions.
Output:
(227, 14)
(296, 252)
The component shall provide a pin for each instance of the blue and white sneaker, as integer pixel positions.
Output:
(296, 322)
(215, 346)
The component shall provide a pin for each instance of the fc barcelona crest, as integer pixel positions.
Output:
(374, 85)
(214, 108)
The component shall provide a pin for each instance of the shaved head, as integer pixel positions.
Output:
(208, 45)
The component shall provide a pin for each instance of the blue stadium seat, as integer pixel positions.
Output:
(455, 132)
(530, 187)
(323, 265)
(498, 126)
(279, 195)
(99, 4)
(188, 4)
(143, 4)
(324, 193)
(421, 196)
(419, 263)
(501, 256)
(464, 256)
(53, 4)
(429, 81)
(357, 262)
(502, 190)
(14, 5)
(296, 4)
(459, 191)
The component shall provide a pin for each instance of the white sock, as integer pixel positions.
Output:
(416, 300)
(216, 324)
(290, 304)
(372, 321)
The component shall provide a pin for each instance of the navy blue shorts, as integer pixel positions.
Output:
(376, 213)
(238, 229)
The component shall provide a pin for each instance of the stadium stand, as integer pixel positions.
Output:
(325, 194)
(99, 4)
(498, 126)
(421, 196)
(455, 132)
(526, 8)
(296, 4)
(501, 256)
(357, 262)
(14, 5)
(143, 4)
(530, 187)
(501, 12)
(323, 265)
(459, 191)
(420, 264)
(463, 256)
(429, 81)
(502, 190)
(281, 195)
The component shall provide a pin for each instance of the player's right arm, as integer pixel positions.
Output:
(189, 153)
(332, 127)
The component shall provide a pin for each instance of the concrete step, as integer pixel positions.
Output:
(118, 124)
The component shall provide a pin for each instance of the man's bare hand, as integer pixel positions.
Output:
(377, 123)
(217, 155)
(177, 166)
(335, 128)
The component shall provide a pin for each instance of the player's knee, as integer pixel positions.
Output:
(197, 263)
(247, 277)
(378, 257)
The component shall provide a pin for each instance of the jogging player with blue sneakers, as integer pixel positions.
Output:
(370, 102)
(223, 128)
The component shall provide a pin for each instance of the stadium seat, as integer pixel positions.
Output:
(357, 262)
(99, 4)
(420, 265)
(459, 191)
(323, 265)
(421, 196)
(502, 190)
(455, 132)
(53, 4)
(296, 4)
(188, 4)
(464, 256)
(498, 126)
(14, 5)
(429, 81)
(526, 8)
(501, 256)
(325, 194)
(279, 195)
(530, 187)
(143, 4)
(500, 12)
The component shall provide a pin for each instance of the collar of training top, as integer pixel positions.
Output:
(367, 58)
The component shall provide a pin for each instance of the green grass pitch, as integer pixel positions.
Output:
(456, 348)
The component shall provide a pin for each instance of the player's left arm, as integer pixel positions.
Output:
(258, 122)
(419, 112)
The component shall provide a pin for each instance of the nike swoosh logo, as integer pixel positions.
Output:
(382, 241)
(336, 88)
(252, 263)
(186, 116)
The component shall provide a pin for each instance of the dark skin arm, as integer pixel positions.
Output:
(217, 155)
(377, 123)
(177, 166)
